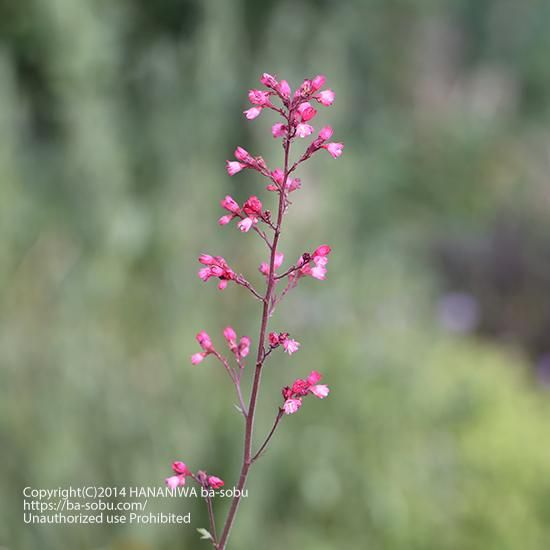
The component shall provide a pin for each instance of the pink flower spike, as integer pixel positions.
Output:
(180, 468)
(335, 149)
(318, 82)
(284, 89)
(173, 482)
(325, 133)
(326, 97)
(313, 377)
(245, 225)
(304, 130)
(278, 130)
(215, 482)
(290, 346)
(258, 97)
(253, 112)
(292, 405)
(320, 391)
(233, 167)
(224, 220)
(268, 80)
(197, 358)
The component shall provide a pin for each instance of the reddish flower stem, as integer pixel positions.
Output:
(247, 451)
(269, 435)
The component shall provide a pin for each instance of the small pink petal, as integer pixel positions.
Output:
(292, 405)
(245, 225)
(253, 112)
(320, 391)
(313, 377)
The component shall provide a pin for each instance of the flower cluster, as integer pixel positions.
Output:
(319, 258)
(181, 472)
(216, 266)
(302, 387)
(277, 339)
(250, 213)
(240, 350)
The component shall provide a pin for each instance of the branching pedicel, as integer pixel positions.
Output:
(296, 112)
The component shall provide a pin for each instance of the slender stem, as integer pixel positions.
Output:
(247, 460)
(269, 436)
(212, 522)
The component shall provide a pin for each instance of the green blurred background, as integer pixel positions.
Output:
(432, 329)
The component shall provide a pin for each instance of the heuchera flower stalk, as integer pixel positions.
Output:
(297, 112)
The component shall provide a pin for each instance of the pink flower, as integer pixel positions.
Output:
(326, 97)
(206, 259)
(268, 80)
(245, 224)
(290, 346)
(278, 130)
(233, 167)
(180, 468)
(306, 111)
(323, 250)
(293, 184)
(313, 377)
(222, 285)
(320, 391)
(230, 335)
(197, 358)
(284, 89)
(258, 97)
(244, 346)
(205, 273)
(175, 481)
(277, 175)
(292, 405)
(335, 149)
(224, 220)
(204, 341)
(273, 339)
(300, 387)
(325, 133)
(215, 482)
(278, 261)
(253, 112)
(253, 206)
(318, 82)
(304, 130)
(242, 154)
(229, 204)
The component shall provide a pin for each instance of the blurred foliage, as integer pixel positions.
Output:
(115, 120)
